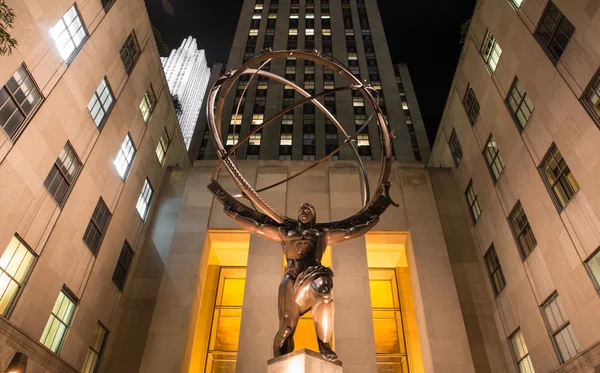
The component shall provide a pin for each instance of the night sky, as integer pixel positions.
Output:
(423, 33)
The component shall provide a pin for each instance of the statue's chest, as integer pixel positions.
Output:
(303, 241)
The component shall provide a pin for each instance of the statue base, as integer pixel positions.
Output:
(303, 361)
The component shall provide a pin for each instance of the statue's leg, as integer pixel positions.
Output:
(323, 313)
(289, 313)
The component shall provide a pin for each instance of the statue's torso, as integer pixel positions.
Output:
(304, 247)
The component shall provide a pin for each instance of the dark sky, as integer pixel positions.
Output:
(422, 33)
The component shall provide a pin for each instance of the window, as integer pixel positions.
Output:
(257, 119)
(162, 147)
(101, 103)
(19, 100)
(120, 274)
(471, 105)
(491, 52)
(130, 53)
(520, 352)
(516, 4)
(554, 32)
(94, 353)
(69, 33)
(148, 103)
(363, 139)
(592, 265)
(560, 329)
(558, 177)
(521, 229)
(473, 202)
(143, 203)
(15, 266)
(590, 98)
(519, 104)
(97, 227)
(59, 322)
(495, 270)
(62, 176)
(286, 139)
(493, 159)
(232, 139)
(107, 4)
(253, 32)
(455, 147)
(125, 157)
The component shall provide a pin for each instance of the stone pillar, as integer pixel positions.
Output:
(263, 274)
(354, 340)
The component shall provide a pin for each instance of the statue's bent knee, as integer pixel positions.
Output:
(322, 287)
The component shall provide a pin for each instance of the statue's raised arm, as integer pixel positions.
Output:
(270, 232)
(336, 236)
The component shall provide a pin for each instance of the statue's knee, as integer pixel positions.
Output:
(322, 287)
(282, 335)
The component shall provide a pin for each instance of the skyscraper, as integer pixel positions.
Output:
(187, 75)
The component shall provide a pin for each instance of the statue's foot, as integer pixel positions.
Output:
(327, 352)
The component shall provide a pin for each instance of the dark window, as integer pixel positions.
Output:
(521, 229)
(558, 177)
(62, 176)
(123, 264)
(130, 53)
(554, 32)
(493, 159)
(471, 105)
(519, 104)
(473, 202)
(94, 234)
(591, 98)
(19, 100)
(107, 4)
(495, 270)
(455, 147)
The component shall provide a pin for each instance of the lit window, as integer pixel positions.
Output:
(593, 266)
(19, 100)
(232, 139)
(59, 322)
(94, 233)
(326, 31)
(257, 119)
(404, 105)
(293, 31)
(122, 268)
(62, 176)
(520, 352)
(255, 139)
(253, 32)
(522, 230)
(286, 139)
(560, 329)
(290, 69)
(590, 98)
(162, 147)
(310, 15)
(309, 84)
(69, 33)
(363, 139)
(491, 52)
(101, 103)
(125, 157)
(554, 32)
(256, 16)
(473, 202)
(493, 159)
(516, 4)
(310, 31)
(325, 15)
(471, 105)
(495, 270)
(258, 7)
(236, 120)
(148, 103)
(455, 147)
(358, 101)
(287, 119)
(558, 177)
(143, 203)
(519, 104)
(294, 15)
(377, 85)
(15, 265)
(130, 53)
(272, 15)
(94, 353)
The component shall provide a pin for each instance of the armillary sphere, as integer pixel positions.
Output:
(372, 204)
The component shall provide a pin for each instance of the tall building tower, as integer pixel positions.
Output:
(349, 31)
(187, 74)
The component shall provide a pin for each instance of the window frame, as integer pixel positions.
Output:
(496, 157)
(92, 350)
(470, 188)
(164, 145)
(594, 82)
(148, 201)
(520, 103)
(454, 150)
(516, 235)
(516, 359)
(595, 281)
(554, 332)
(122, 276)
(151, 101)
(469, 108)
(107, 112)
(70, 296)
(13, 302)
(137, 48)
(78, 48)
(71, 184)
(486, 59)
(545, 46)
(493, 271)
(129, 164)
(514, 4)
(550, 187)
(95, 225)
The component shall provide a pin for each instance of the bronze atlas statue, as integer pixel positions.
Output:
(306, 284)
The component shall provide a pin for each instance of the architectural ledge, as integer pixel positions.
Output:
(587, 361)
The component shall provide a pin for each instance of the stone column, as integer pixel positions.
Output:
(354, 340)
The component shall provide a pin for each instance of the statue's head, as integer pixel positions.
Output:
(307, 214)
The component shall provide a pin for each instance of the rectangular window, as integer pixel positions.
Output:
(590, 99)
(519, 104)
(95, 352)
(560, 329)
(125, 157)
(107, 4)
(122, 268)
(15, 265)
(143, 203)
(491, 52)
(554, 32)
(59, 322)
(162, 147)
(232, 139)
(101, 103)
(130, 53)
(495, 270)
(522, 231)
(471, 105)
(592, 265)
(97, 227)
(516, 4)
(473, 202)
(520, 352)
(493, 159)
(19, 100)
(148, 103)
(69, 33)
(455, 147)
(62, 176)
(558, 177)
(285, 139)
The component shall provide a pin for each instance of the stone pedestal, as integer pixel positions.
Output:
(303, 361)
